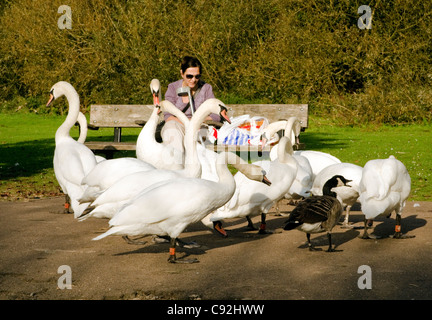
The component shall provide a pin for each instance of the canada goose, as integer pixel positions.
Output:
(347, 196)
(319, 213)
(384, 188)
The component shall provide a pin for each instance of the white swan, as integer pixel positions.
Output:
(347, 196)
(304, 178)
(110, 200)
(107, 172)
(318, 160)
(384, 188)
(276, 126)
(160, 155)
(72, 159)
(252, 198)
(168, 207)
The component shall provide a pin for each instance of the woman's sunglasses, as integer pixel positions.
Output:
(190, 76)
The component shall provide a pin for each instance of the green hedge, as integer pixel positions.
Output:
(280, 51)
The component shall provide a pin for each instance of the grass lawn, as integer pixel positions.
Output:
(27, 148)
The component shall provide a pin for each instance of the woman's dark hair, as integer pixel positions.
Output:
(190, 62)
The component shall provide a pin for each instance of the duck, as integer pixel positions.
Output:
(158, 154)
(110, 200)
(384, 188)
(252, 198)
(168, 207)
(348, 196)
(72, 159)
(319, 213)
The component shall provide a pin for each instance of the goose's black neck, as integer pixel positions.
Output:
(328, 186)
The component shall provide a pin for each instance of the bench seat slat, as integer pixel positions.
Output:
(110, 145)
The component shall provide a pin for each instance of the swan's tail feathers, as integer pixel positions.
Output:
(86, 213)
(292, 225)
(79, 208)
(90, 194)
(112, 231)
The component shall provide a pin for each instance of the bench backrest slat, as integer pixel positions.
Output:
(273, 112)
(126, 115)
(119, 115)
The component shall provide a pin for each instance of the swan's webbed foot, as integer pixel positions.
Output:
(263, 230)
(179, 242)
(250, 226)
(263, 226)
(172, 257)
(366, 235)
(398, 233)
(188, 245)
(370, 236)
(134, 241)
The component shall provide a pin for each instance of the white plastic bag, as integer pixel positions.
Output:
(243, 130)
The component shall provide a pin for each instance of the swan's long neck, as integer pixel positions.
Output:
(74, 105)
(285, 151)
(226, 179)
(83, 127)
(291, 127)
(149, 128)
(192, 163)
(168, 106)
(274, 127)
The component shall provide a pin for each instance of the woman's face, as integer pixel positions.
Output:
(191, 76)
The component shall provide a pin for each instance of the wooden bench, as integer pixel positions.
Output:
(135, 116)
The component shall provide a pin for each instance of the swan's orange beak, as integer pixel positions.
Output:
(224, 115)
(51, 99)
(266, 181)
(156, 101)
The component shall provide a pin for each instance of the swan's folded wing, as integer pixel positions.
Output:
(168, 199)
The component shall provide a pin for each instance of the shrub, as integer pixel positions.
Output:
(281, 51)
